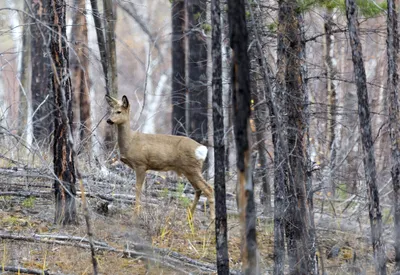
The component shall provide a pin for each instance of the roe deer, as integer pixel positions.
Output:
(158, 152)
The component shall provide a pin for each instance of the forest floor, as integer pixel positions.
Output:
(162, 240)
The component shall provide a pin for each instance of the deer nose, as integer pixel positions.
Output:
(109, 121)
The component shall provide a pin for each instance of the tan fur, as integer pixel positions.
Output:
(157, 152)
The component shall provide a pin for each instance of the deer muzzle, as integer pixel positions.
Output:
(109, 121)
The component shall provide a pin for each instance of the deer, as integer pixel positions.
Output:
(159, 152)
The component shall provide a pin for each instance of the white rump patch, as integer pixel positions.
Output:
(201, 152)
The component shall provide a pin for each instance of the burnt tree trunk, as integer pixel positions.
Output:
(100, 39)
(221, 228)
(63, 161)
(178, 68)
(80, 74)
(375, 215)
(42, 103)
(197, 71)
(394, 118)
(291, 48)
(112, 74)
(240, 77)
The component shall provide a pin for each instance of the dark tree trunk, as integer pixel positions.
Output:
(241, 104)
(80, 74)
(291, 47)
(42, 103)
(101, 41)
(178, 68)
(221, 228)
(375, 215)
(394, 118)
(63, 162)
(112, 74)
(197, 71)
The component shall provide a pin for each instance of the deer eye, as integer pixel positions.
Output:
(118, 112)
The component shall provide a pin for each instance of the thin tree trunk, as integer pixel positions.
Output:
(241, 104)
(80, 74)
(375, 214)
(221, 228)
(64, 167)
(197, 71)
(41, 98)
(178, 68)
(25, 77)
(112, 74)
(226, 88)
(308, 204)
(100, 40)
(260, 115)
(394, 118)
(331, 89)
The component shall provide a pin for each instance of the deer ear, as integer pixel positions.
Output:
(125, 102)
(111, 101)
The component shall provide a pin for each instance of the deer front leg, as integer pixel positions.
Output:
(140, 176)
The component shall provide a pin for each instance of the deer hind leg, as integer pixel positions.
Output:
(198, 181)
(195, 201)
(140, 177)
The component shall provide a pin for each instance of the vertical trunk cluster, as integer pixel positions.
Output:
(394, 118)
(178, 68)
(221, 228)
(111, 64)
(240, 77)
(292, 97)
(197, 71)
(375, 215)
(80, 74)
(63, 161)
(41, 99)
(260, 109)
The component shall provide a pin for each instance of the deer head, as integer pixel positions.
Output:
(119, 110)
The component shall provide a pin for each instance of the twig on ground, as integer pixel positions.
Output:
(26, 270)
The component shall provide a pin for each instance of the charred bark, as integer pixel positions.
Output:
(221, 228)
(375, 215)
(291, 54)
(197, 71)
(394, 118)
(41, 98)
(80, 74)
(240, 78)
(63, 161)
(178, 68)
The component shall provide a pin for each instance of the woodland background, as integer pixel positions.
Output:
(167, 73)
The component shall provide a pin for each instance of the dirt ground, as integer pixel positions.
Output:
(162, 240)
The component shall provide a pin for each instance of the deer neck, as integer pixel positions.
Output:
(124, 136)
